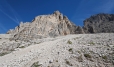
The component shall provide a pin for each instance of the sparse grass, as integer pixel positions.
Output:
(87, 55)
(80, 58)
(36, 64)
(2, 54)
(22, 47)
(70, 50)
(104, 57)
(69, 42)
(91, 43)
(91, 52)
(0, 38)
(56, 60)
(68, 63)
(76, 38)
(79, 52)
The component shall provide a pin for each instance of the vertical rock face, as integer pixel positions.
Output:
(45, 26)
(100, 23)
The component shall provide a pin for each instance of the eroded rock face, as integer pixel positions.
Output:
(100, 23)
(45, 26)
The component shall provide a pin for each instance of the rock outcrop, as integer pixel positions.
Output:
(100, 23)
(45, 26)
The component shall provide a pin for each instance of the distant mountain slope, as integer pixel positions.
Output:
(100, 23)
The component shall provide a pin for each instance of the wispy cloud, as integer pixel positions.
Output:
(12, 14)
(9, 16)
(17, 19)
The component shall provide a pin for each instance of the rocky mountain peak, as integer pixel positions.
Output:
(52, 25)
(101, 16)
(57, 13)
(99, 23)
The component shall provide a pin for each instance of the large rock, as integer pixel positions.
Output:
(100, 23)
(45, 26)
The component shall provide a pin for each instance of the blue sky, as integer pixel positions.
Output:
(12, 12)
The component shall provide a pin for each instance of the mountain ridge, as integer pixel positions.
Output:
(99, 23)
(52, 25)
(57, 24)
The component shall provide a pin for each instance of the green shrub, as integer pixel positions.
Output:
(87, 55)
(2, 54)
(92, 43)
(56, 60)
(22, 47)
(36, 64)
(80, 58)
(79, 52)
(69, 42)
(104, 57)
(68, 63)
(70, 50)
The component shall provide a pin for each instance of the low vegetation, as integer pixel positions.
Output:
(70, 50)
(69, 42)
(2, 54)
(104, 57)
(68, 62)
(36, 64)
(22, 47)
(91, 43)
(87, 55)
(80, 59)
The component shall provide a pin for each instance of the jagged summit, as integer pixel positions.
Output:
(57, 12)
(101, 16)
(99, 23)
(52, 25)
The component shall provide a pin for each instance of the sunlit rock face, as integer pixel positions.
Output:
(100, 23)
(52, 25)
